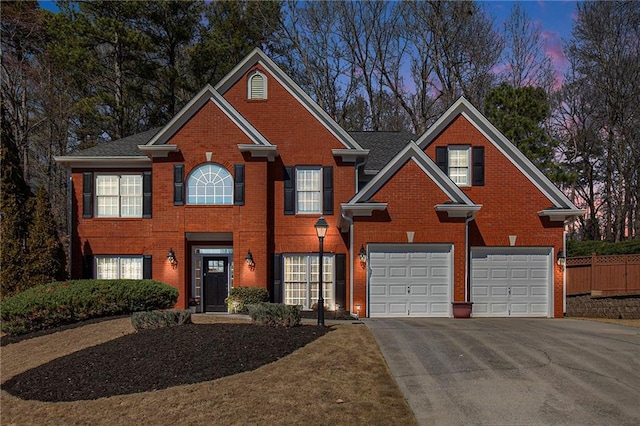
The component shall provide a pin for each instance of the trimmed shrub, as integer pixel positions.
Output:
(275, 314)
(159, 319)
(240, 297)
(59, 303)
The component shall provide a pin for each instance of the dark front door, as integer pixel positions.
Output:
(216, 280)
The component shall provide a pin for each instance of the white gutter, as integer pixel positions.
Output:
(467, 249)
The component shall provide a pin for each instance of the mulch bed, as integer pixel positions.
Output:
(157, 359)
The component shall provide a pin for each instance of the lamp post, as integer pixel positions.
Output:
(321, 230)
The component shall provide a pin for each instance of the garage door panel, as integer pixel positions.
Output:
(416, 280)
(511, 281)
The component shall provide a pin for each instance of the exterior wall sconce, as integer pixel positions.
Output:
(171, 257)
(561, 259)
(249, 260)
(363, 257)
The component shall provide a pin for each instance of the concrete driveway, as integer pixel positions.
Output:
(514, 371)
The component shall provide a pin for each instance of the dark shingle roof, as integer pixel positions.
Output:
(125, 147)
(382, 146)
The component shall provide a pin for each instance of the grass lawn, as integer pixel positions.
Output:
(339, 378)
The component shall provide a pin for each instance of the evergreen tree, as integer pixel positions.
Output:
(521, 114)
(14, 196)
(46, 259)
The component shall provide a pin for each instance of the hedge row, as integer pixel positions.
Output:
(586, 248)
(66, 302)
(240, 297)
(275, 314)
(150, 320)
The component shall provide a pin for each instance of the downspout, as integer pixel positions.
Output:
(467, 266)
(564, 273)
(350, 221)
(70, 222)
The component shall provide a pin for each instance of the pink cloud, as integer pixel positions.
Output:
(552, 44)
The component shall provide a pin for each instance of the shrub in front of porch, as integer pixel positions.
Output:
(66, 302)
(275, 314)
(240, 297)
(149, 320)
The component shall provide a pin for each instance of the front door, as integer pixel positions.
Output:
(216, 281)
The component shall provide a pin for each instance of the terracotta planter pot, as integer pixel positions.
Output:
(462, 309)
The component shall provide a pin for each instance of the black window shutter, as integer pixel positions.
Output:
(289, 190)
(478, 165)
(442, 159)
(327, 190)
(341, 285)
(87, 194)
(146, 267)
(277, 278)
(178, 184)
(238, 191)
(146, 194)
(87, 266)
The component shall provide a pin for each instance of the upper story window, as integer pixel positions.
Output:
(462, 163)
(257, 86)
(309, 190)
(210, 184)
(459, 164)
(119, 195)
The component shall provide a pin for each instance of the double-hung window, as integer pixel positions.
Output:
(119, 195)
(114, 267)
(301, 280)
(309, 189)
(459, 164)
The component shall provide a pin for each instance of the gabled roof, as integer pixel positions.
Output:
(382, 146)
(207, 94)
(413, 152)
(257, 56)
(480, 122)
(459, 205)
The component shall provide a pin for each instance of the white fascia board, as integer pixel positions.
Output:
(561, 215)
(458, 210)
(258, 56)
(157, 151)
(489, 131)
(208, 93)
(181, 118)
(350, 155)
(103, 162)
(413, 152)
(270, 152)
(348, 211)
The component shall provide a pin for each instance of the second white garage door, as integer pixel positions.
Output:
(410, 280)
(511, 281)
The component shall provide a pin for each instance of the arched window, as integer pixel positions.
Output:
(257, 86)
(210, 184)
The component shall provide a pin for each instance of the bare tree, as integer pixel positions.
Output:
(525, 61)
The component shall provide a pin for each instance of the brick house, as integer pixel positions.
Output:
(228, 191)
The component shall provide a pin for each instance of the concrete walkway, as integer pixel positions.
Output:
(514, 371)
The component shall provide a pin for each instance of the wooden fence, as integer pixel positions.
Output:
(604, 275)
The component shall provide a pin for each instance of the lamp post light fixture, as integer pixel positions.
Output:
(321, 231)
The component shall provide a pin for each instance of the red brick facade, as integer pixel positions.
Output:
(510, 201)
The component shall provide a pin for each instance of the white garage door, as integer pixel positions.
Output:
(410, 280)
(511, 281)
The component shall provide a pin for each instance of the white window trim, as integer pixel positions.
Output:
(466, 148)
(188, 189)
(320, 191)
(119, 196)
(249, 86)
(119, 266)
(329, 302)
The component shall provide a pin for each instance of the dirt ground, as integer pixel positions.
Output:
(333, 377)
